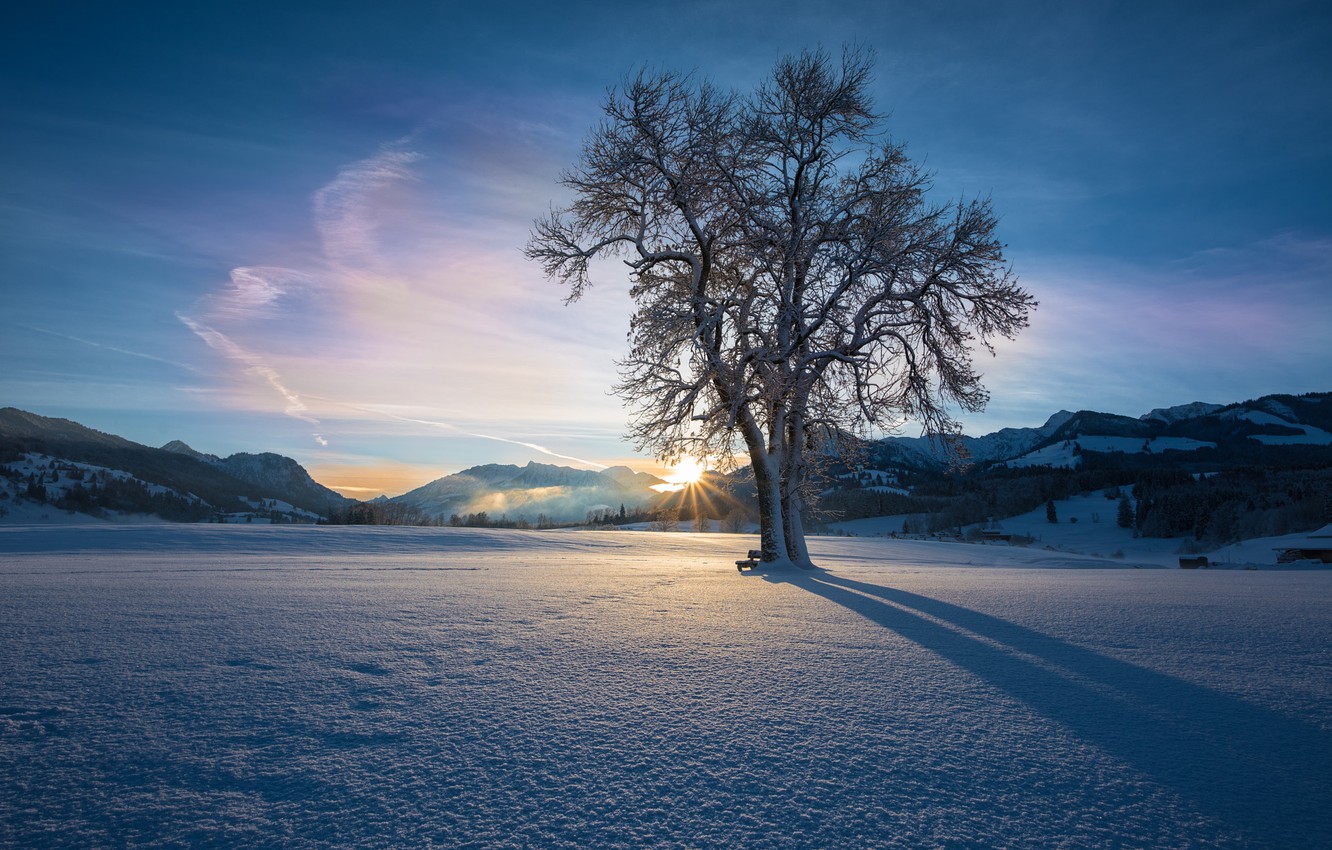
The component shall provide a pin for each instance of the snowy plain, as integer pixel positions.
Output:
(1087, 526)
(310, 687)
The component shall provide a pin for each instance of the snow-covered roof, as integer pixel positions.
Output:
(1324, 533)
(1320, 539)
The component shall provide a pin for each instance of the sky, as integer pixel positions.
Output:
(297, 227)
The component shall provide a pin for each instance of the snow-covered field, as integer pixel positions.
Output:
(1086, 526)
(211, 686)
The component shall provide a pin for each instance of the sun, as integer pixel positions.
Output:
(688, 472)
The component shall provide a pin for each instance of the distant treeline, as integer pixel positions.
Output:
(1235, 504)
(1212, 508)
(956, 500)
(96, 493)
(393, 513)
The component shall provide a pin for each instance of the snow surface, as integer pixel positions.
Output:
(1181, 412)
(1087, 526)
(1057, 456)
(1064, 455)
(1311, 435)
(1137, 445)
(208, 686)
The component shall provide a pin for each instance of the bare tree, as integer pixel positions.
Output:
(791, 283)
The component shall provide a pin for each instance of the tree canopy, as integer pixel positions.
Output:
(792, 284)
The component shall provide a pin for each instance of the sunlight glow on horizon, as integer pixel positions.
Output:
(686, 473)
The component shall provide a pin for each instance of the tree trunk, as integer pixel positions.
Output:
(772, 526)
(792, 502)
(795, 531)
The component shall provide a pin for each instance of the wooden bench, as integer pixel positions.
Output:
(753, 560)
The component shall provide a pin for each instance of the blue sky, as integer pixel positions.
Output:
(297, 227)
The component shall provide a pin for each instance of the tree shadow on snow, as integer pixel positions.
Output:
(1261, 772)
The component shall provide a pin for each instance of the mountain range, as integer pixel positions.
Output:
(1199, 435)
(225, 485)
(1222, 434)
(559, 492)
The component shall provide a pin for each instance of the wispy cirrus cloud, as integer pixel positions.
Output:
(256, 292)
(348, 211)
(450, 427)
(406, 304)
(347, 216)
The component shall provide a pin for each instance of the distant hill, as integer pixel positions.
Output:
(922, 452)
(1276, 431)
(560, 493)
(1206, 474)
(273, 473)
(225, 485)
(1249, 432)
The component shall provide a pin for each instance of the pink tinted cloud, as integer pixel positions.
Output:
(406, 309)
(256, 292)
(348, 211)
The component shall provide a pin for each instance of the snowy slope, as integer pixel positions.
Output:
(1302, 420)
(999, 445)
(1152, 445)
(1309, 435)
(1181, 412)
(222, 484)
(1064, 455)
(1086, 526)
(1057, 456)
(371, 687)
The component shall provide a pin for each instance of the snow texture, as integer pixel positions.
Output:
(1064, 455)
(1087, 526)
(308, 687)
(1181, 412)
(1058, 456)
(1315, 436)
(1151, 445)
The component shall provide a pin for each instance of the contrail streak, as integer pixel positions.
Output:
(447, 427)
(219, 341)
(105, 347)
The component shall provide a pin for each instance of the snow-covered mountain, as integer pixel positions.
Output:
(1181, 412)
(271, 472)
(71, 452)
(1199, 434)
(1000, 445)
(559, 492)
(1228, 431)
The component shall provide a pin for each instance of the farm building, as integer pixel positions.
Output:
(1316, 546)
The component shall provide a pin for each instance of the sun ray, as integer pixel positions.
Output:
(688, 472)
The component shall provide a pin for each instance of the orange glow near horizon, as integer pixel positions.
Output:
(686, 473)
(389, 478)
(367, 481)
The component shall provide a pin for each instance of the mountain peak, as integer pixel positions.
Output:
(1056, 421)
(536, 488)
(203, 481)
(180, 447)
(1180, 412)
